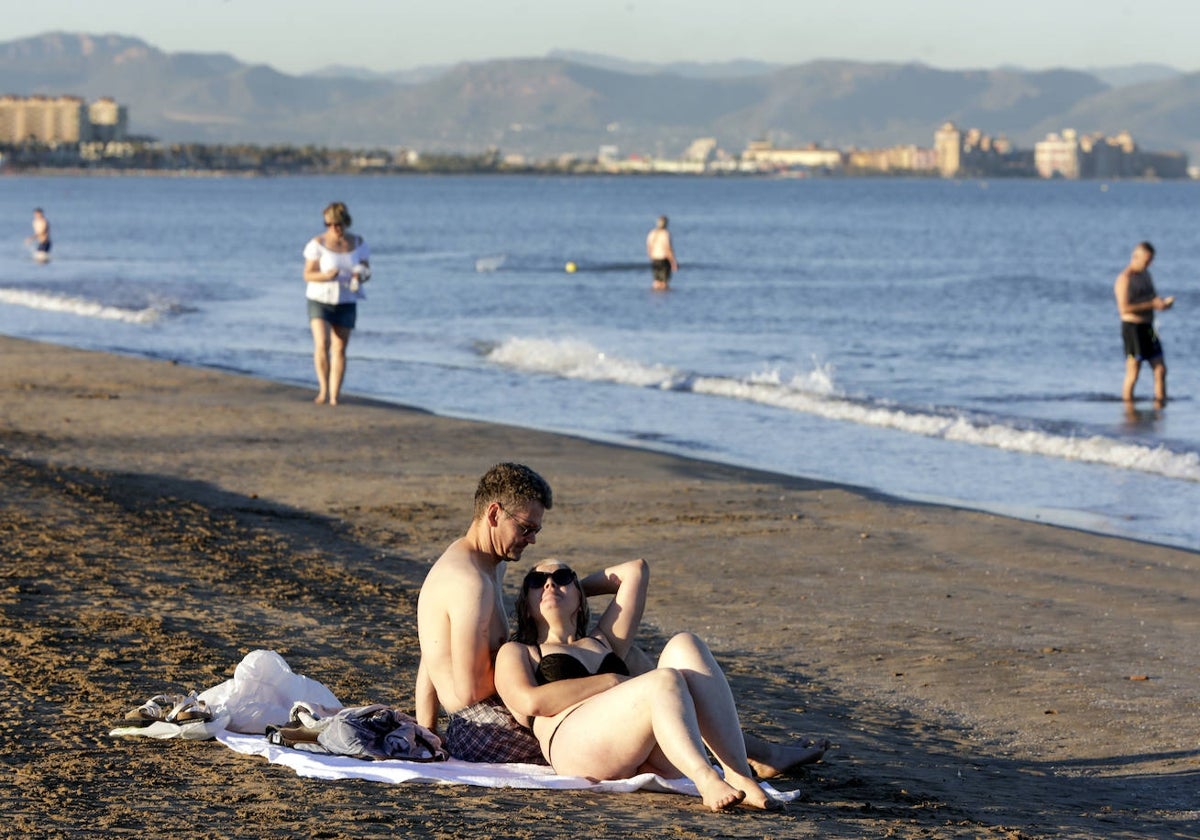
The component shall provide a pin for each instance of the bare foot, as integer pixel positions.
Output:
(319, 398)
(756, 797)
(780, 758)
(718, 795)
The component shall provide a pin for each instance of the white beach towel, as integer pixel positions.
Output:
(453, 772)
(262, 692)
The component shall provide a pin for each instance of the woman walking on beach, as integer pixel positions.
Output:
(336, 264)
(658, 722)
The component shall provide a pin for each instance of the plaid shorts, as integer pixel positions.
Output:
(487, 732)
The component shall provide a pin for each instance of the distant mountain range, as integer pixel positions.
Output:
(570, 102)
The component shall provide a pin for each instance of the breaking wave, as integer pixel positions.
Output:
(814, 393)
(83, 307)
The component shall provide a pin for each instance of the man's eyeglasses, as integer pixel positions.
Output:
(536, 579)
(526, 529)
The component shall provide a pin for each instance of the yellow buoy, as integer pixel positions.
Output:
(571, 268)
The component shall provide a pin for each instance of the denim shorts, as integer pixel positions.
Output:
(337, 314)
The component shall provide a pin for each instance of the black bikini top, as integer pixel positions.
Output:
(563, 666)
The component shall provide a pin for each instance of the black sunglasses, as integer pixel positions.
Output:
(536, 579)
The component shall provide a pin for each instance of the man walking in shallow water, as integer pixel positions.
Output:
(41, 235)
(1137, 302)
(662, 254)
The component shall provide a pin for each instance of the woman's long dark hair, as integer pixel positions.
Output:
(527, 631)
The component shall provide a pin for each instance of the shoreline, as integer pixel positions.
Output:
(978, 674)
(1070, 519)
(1066, 518)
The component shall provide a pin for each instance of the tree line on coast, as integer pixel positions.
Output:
(277, 159)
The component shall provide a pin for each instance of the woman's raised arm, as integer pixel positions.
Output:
(627, 583)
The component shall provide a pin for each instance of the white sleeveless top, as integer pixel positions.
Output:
(335, 292)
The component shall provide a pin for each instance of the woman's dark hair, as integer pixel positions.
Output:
(527, 631)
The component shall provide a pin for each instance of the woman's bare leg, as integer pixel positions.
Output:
(766, 758)
(337, 362)
(616, 733)
(716, 712)
(320, 334)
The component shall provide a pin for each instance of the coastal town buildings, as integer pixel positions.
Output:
(1059, 156)
(762, 155)
(42, 119)
(702, 149)
(60, 120)
(65, 131)
(110, 120)
(973, 153)
(947, 148)
(894, 160)
(1071, 156)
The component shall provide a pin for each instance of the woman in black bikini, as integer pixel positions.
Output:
(592, 719)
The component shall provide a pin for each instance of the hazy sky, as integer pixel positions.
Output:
(299, 35)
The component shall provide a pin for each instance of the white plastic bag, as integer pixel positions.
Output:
(262, 692)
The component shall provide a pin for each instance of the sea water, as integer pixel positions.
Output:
(953, 341)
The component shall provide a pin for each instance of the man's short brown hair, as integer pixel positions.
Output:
(512, 485)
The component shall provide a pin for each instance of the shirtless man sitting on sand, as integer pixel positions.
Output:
(462, 622)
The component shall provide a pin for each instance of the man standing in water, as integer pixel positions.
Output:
(662, 254)
(41, 234)
(462, 622)
(1136, 303)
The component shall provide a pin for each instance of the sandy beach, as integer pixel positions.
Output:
(979, 676)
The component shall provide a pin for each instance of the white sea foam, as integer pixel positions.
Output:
(572, 359)
(815, 393)
(492, 263)
(79, 306)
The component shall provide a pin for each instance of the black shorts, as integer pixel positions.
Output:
(1141, 341)
(661, 270)
(338, 315)
(44, 247)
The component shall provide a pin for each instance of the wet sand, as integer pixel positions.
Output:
(980, 676)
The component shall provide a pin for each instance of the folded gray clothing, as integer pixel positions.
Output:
(373, 732)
